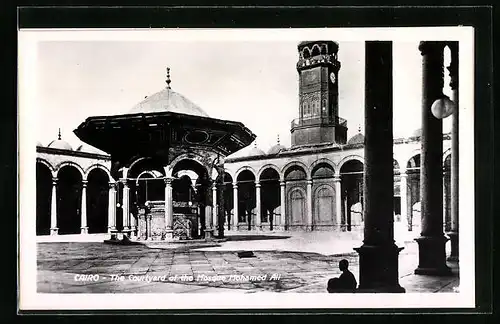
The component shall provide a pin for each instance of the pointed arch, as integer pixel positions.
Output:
(323, 161)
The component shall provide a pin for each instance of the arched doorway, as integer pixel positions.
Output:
(246, 199)
(323, 197)
(69, 197)
(191, 197)
(295, 177)
(97, 201)
(270, 197)
(413, 192)
(352, 194)
(43, 198)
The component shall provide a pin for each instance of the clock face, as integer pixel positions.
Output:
(332, 77)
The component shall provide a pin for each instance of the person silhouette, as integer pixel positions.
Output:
(346, 283)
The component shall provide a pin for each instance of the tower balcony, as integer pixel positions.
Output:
(318, 121)
(318, 130)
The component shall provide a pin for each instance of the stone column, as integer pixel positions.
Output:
(309, 225)
(83, 214)
(453, 234)
(126, 207)
(215, 213)
(112, 208)
(282, 204)
(235, 207)
(403, 190)
(258, 206)
(378, 256)
(169, 215)
(431, 243)
(53, 209)
(446, 199)
(338, 201)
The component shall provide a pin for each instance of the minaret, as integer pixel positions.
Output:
(318, 120)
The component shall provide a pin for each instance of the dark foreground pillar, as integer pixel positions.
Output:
(378, 256)
(453, 233)
(431, 243)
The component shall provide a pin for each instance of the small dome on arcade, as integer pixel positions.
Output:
(39, 144)
(357, 139)
(255, 151)
(60, 144)
(168, 100)
(275, 149)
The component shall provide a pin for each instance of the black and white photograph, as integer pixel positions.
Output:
(246, 168)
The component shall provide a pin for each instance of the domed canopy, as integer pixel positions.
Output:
(356, 139)
(60, 144)
(168, 100)
(38, 143)
(90, 149)
(255, 151)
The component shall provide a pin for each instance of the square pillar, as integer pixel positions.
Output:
(258, 207)
(309, 215)
(234, 220)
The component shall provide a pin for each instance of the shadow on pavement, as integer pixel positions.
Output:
(234, 238)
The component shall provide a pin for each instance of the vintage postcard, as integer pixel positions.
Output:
(240, 168)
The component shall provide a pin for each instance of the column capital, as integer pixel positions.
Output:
(337, 178)
(112, 185)
(257, 184)
(282, 183)
(309, 182)
(54, 180)
(168, 181)
(431, 47)
(235, 185)
(214, 187)
(84, 183)
(124, 182)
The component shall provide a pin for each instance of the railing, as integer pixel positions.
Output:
(311, 121)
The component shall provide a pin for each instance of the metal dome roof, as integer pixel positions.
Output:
(38, 143)
(60, 144)
(356, 139)
(275, 149)
(168, 100)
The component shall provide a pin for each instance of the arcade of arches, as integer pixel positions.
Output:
(296, 197)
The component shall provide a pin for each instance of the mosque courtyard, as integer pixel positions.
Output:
(293, 262)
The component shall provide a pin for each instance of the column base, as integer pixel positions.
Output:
(169, 235)
(209, 233)
(378, 269)
(111, 229)
(454, 246)
(54, 231)
(432, 256)
(84, 230)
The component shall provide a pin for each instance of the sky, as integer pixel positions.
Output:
(254, 82)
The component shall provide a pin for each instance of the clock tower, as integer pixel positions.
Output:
(318, 120)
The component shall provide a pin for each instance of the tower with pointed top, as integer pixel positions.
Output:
(318, 120)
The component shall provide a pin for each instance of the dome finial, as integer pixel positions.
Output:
(59, 134)
(278, 139)
(168, 78)
(359, 128)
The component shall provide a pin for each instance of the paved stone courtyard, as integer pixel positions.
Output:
(284, 262)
